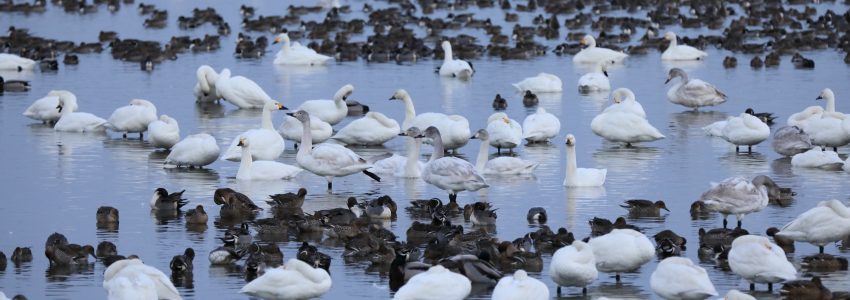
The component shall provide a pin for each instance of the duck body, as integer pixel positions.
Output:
(133, 118)
(164, 133)
(542, 83)
(372, 130)
(241, 91)
(196, 150)
(540, 126)
(44, 109)
(680, 278)
(297, 54)
(294, 280)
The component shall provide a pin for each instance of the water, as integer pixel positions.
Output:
(55, 182)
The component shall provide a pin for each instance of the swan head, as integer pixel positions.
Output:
(413, 132)
(670, 36)
(344, 92)
(400, 94)
(588, 41)
(301, 116)
(571, 140)
(274, 105)
(431, 132)
(826, 94)
(481, 134)
(621, 94)
(243, 142)
(281, 38)
(676, 72)
(446, 46)
(60, 105)
(165, 118)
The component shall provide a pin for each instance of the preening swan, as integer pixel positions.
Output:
(266, 143)
(758, 260)
(745, 130)
(330, 111)
(826, 129)
(738, 196)
(540, 126)
(578, 177)
(11, 62)
(595, 55)
(692, 93)
(680, 52)
(164, 133)
(196, 150)
(827, 222)
(454, 67)
(44, 109)
(132, 279)
(132, 118)
(502, 165)
(622, 122)
(573, 265)
(76, 121)
(542, 83)
(520, 286)
(240, 91)
(296, 54)
(437, 283)
(373, 129)
(791, 140)
(450, 174)
(504, 132)
(816, 158)
(596, 80)
(403, 166)
(264, 169)
(294, 280)
(204, 89)
(679, 278)
(621, 250)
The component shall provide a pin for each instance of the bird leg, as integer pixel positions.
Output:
(330, 185)
(750, 149)
(752, 286)
(739, 223)
(617, 277)
(124, 135)
(583, 291)
(724, 222)
(821, 249)
(453, 198)
(770, 287)
(559, 291)
(736, 148)
(141, 135)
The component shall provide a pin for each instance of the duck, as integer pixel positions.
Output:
(480, 214)
(288, 200)
(241, 91)
(162, 200)
(267, 143)
(692, 93)
(529, 99)
(641, 207)
(132, 279)
(801, 62)
(106, 248)
(594, 55)
(823, 262)
(297, 54)
(758, 260)
(164, 133)
(502, 165)
(573, 265)
(44, 109)
(21, 255)
(11, 62)
(826, 130)
(536, 215)
(506, 133)
(197, 216)
(447, 173)
(453, 286)
(680, 52)
(827, 222)
(291, 130)
(382, 208)
(540, 126)
(622, 122)
(818, 159)
(621, 250)
(328, 160)
(500, 103)
(805, 289)
(73, 121)
(595, 81)
(182, 264)
(403, 166)
(680, 278)
(224, 255)
(790, 141)
(737, 196)
(132, 118)
(106, 215)
(294, 280)
(373, 129)
(196, 150)
(330, 111)
(13, 85)
(454, 67)
(204, 90)
(745, 130)
(581, 177)
(542, 83)
(69, 254)
(520, 286)
(765, 117)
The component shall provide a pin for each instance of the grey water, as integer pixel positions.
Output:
(54, 182)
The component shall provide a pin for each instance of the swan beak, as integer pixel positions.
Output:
(281, 107)
(605, 73)
(473, 137)
(276, 40)
(667, 81)
(290, 114)
(241, 142)
(59, 107)
(506, 120)
(819, 98)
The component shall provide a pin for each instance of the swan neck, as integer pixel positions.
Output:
(438, 148)
(245, 164)
(306, 146)
(409, 110)
(267, 119)
(413, 154)
(571, 164)
(830, 104)
(673, 43)
(448, 54)
(482, 156)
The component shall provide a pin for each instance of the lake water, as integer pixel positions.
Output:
(56, 181)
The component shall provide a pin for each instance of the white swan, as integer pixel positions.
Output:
(737, 295)
(331, 111)
(454, 128)
(204, 89)
(520, 286)
(791, 140)
(826, 130)
(692, 93)
(745, 130)
(44, 109)
(736, 196)
(621, 250)
(327, 160)
(573, 265)
(716, 128)
(164, 133)
(454, 67)
(437, 283)
(76, 121)
(579, 177)
(595, 55)
(132, 279)
(801, 118)
(816, 158)
(504, 132)
(827, 222)
(132, 118)
(264, 169)
(411, 119)
(240, 91)
(373, 129)
(542, 83)
(502, 165)
(620, 126)
(403, 166)
(196, 150)
(296, 54)
(11, 62)
(595, 81)
(450, 174)
(540, 126)
(267, 143)
(291, 129)
(294, 280)
(679, 278)
(759, 261)
(680, 52)
(623, 100)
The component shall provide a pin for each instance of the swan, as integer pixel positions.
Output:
(373, 129)
(454, 67)
(504, 132)
(403, 166)
(296, 54)
(450, 174)
(595, 55)
(44, 109)
(132, 118)
(291, 129)
(791, 140)
(826, 130)
(737, 196)
(573, 265)
(745, 130)
(542, 83)
(801, 118)
(204, 89)
(679, 278)
(520, 286)
(411, 119)
(540, 126)
(692, 93)
(164, 133)
(264, 169)
(267, 143)
(437, 283)
(621, 250)
(502, 165)
(827, 222)
(595, 81)
(454, 128)
(737, 295)
(15, 63)
(331, 111)
(623, 127)
(327, 160)
(625, 101)
(132, 279)
(196, 150)
(294, 280)
(241, 91)
(815, 158)
(759, 261)
(680, 52)
(76, 121)
(716, 128)
(578, 177)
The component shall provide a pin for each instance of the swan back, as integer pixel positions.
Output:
(520, 286)
(758, 260)
(438, 282)
(680, 278)
(621, 250)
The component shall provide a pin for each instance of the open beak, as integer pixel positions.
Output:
(393, 98)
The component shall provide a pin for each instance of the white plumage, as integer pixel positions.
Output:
(267, 143)
(44, 109)
(291, 129)
(736, 196)
(621, 250)
(815, 158)
(758, 260)
(76, 121)
(131, 279)
(520, 287)
(745, 130)
(454, 67)
(679, 278)
(596, 80)
(540, 126)
(164, 133)
(296, 54)
(241, 91)
(504, 132)
(330, 111)
(293, 280)
(438, 283)
(573, 265)
(502, 165)
(596, 55)
(827, 222)
(204, 89)
(373, 129)
(196, 150)
(692, 93)
(680, 52)
(132, 118)
(542, 83)
(262, 170)
(581, 177)
(11, 62)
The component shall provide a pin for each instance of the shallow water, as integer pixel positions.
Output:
(55, 182)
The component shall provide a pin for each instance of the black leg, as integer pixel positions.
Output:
(330, 185)
(724, 222)
(835, 149)
(124, 135)
(141, 135)
(752, 286)
(736, 149)
(296, 146)
(498, 150)
(770, 287)
(617, 277)
(558, 291)
(749, 149)
(821, 249)
(453, 198)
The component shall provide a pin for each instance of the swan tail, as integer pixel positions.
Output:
(517, 86)
(465, 73)
(372, 175)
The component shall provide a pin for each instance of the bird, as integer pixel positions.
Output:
(373, 129)
(622, 123)
(595, 81)
(74, 121)
(132, 279)
(197, 150)
(164, 133)
(758, 260)
(133, 118)
(197, 216)
(162, 200)
(827, 129)
(403, 166)
(520, 286)
(680, 278)
(204, 89)
(573, 265)
(182, 264)
(621, 250)
(454, 67)
(500, 103)
(294, 280)
(106, 215)
(44, 109)
(765, 117)
(540, 126)
(449, 173)
(502, 165)
(737, 196)
(330, 111)
(578, 177)
(542, 83)
(436, 283)
(818, 159)
(529, 99)
(503, 132)
(454, 129)
(825, 223)
(594, 55)
(745, 130)
(13, 85)
(805, 289)
(692, 93)
(296, 54)
(291, 130)
(240, 91)
(537, 215)
(680, 52)
(263, 169)
(267, 143)
(791, 140)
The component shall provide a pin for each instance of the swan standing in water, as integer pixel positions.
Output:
(826, 130)
(240, 91)
(816, 158)
(411, 119)
(745, 130)
(132, 279)
(502, 165)
(266, 143)
(330, 111)
(738, 196)
(580, 177)
(692, 93)
(680, 52)
(454, 128)
(196, 150)
(296, 54)
(624, 121)
(291, 130)
(540, 126)
(827, 222)
(44, 109)
(132, 118)
(542, 83)
(595, 55)
(436, 283)
(76, 121)
(520, 286)
(506, 133)
(621, 250)
(401, 166)
(454, 67)
(373, 129)
(294, 280)
(791, 140)
(759, 261)
(573, 265)
(11, 62)
(450, 174)
(327, 160)
(164, 133)
(264, 169)
(679, 278)
(595, 81)
(204, 89)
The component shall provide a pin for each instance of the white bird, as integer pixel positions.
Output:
(164, 133)
(573, 265)
(411, 119)
(680, 52)
(331, 111)
(11, 62)
(520, 287)
(595, 81)
(196, 150)
(801, 118)
(540, 126)
(580, 177)
(595, 55)
(737, 196)
(403, 166)
(827, 222)
(267, 143)
(454, 128)
(716, 128)
(327, 160)
(264, 169)
(692, 93)
(131, 279)
(373, 129)
(758, 260)
(454, 67)
(621, 250)
(240, 91)
(625, 101)
(542, 83)
(826, 130)
(291, 129)
(132, 118)
(745, 130)
(504, 132)
(204, 89)
(76, 121)
(502, 165)
(293, 280)
(815, 158)
(297, 54)
(737, 295)
(448, 173)
(438, 283)
(620, 125)
(44, 109)
(791, 140)
(679, 278)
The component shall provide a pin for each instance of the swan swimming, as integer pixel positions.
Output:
(758, 260)
(573, 265)
(196, 150)
(44, 109)
(680, 52)
(542, 83)
(737, 196)
(504, 132)
(502, 165)
(132, 118)
(454, 67)
(294, 280)
(692, 93)
(595, 81)
(827, 222)
(448, 173)
(164, 133)
(241, 91)
(540, 126)
(595, 55)
(296, 54)
(679, 278)
(373, 129)
(76, 121)
(264, 169)
(291, 130)
(267, 144)
(579, 177)
(330, 111)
